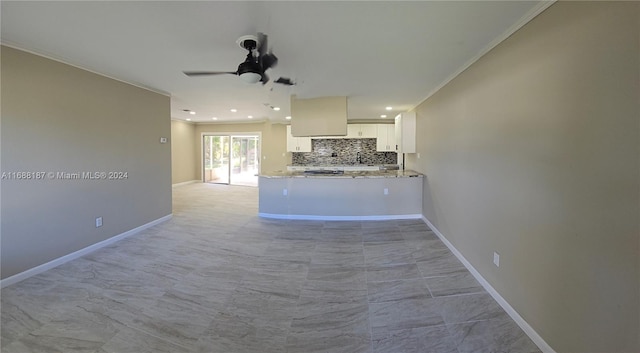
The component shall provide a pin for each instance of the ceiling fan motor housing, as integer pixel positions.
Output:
(251, 63)
(249, 66)
(250, 71)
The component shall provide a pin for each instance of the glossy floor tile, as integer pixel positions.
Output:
(217, 278)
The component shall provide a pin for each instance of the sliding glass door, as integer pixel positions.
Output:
(231, 159)
(245, 160)
(216, 159)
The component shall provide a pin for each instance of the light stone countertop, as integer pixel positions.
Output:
(346, 174)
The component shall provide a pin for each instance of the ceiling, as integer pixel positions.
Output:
(377, 53)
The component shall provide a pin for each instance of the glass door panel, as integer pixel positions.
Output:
(216, 159)
(245, 159)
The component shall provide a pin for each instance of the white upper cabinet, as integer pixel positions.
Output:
(361, 131)
(406, 132)
(386, 138)
(354, 131)
(297, 144)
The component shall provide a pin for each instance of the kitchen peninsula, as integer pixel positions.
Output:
(341, 195)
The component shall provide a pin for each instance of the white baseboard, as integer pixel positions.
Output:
(74, 255)
(535, 337)
(186, 183)
(339, 218)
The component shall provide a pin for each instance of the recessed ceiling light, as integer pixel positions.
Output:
(192, 113)
(287, 117)
(250, 117)
(388, 108)
(188, 119)
(234, 110)
(276, 108)
(383, 116)
(214, 118)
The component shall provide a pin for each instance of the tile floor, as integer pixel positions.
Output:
(217, 278)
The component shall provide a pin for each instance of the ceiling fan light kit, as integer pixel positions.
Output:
(249, 71)
(250, 77)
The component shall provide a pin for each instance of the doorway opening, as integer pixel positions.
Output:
(231, 159)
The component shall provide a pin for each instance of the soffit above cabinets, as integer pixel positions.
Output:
(325, 116)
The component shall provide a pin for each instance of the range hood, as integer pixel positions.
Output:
(324, 116)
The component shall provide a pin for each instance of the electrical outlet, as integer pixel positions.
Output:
(386, 191)
(418, 155)
(496, 259)
(285, 192)
(98, 222)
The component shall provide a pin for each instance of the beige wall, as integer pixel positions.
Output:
(533, 152)
(183, 149)
(275, 148)
(273, 144)
(57, 118)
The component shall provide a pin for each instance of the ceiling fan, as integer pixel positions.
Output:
(257, 62)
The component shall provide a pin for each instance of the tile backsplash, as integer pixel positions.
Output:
(343, 152)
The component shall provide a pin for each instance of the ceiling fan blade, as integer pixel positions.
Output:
(208, 73)
(285, 81)
(264, 78)
(263, 45)
(268, 61)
